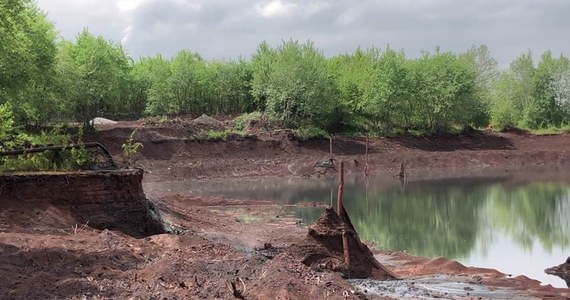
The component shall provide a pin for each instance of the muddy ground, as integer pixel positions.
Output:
(229, 248)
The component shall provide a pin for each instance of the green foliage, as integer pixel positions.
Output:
(385, 101)
(353, 75)
(374, 91)
(6, 122)
(295, 82)
(310, 132)
(552, 130)
(80, 158)
(444, 92)
(131, 149)
(27, 57)
(76, 158)
(532, 96)
(241, 122)
(94, 74)
(216, 135)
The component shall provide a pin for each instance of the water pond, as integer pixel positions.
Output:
(516, 222)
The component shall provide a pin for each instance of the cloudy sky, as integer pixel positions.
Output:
(229, 28)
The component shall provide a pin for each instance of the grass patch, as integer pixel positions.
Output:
(241, 122)
(551, 130)
(217, 135)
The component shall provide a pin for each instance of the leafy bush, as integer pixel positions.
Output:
(6, 121)
(131, 149)
(295, 83)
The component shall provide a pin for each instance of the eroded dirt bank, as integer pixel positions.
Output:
(171, 152)
(111, 200)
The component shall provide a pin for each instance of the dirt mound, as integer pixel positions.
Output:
(207, 122)
(103, 200)
(323, 249)
(562, 271)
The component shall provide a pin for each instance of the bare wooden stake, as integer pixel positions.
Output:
(402, 173)
(366, 185)
(366, 166)
(330, 149)
(341, 214)
(340, 208)
(345, 248)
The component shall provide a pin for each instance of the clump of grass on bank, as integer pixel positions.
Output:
(552, 130)
(218, 135)
(241, 122)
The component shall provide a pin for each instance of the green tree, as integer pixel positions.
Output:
(487, 72)
(522, 69)
(262, 65)
(6, 123)
(353, 74)
(550, 105)
(297, 85)
(385, 100)
(231, 86)
(443, 91)
(504, 112)
(97, 71)
(187, 82)
(27, 48)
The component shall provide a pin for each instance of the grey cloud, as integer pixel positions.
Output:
(226, 29)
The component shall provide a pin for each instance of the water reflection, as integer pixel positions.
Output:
(476, 220)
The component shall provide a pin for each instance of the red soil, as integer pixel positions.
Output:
(237, 248)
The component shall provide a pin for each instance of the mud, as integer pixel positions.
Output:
(229, 248)
(323, 249)
(438, 287)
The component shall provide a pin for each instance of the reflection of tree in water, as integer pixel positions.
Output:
(449, 218)
(534, 212)
(431, 218)
(428, 220)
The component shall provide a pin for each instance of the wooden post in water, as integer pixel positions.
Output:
(402, 173)
(366, 166)
(341, 214)
(340, 208)
(330, 149)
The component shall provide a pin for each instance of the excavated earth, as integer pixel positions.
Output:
(94, 235)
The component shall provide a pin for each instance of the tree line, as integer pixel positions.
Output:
(45, 80)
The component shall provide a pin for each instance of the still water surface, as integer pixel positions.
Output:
(519, 227)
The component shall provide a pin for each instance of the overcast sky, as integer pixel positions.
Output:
(229, 28)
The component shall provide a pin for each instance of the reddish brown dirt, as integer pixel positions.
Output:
(171, 152)
(231, 248)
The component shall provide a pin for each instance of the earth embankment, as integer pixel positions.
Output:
(111, 200)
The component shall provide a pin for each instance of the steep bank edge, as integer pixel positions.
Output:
(111, 200)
